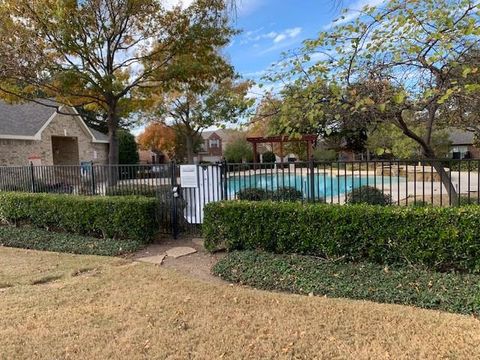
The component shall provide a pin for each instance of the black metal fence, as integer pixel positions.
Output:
(436, 182)
(443, 182)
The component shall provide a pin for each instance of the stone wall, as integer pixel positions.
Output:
(17, 152)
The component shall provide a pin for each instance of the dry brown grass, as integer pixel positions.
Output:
(96, 307)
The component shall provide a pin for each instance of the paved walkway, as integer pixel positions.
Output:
(186, 255)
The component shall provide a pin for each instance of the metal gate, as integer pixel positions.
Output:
(192, 187)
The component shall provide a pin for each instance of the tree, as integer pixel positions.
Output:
(181, 137)
(128, 149)
(395, 63)
(388, 140)
(159, 138)
(197, 108)
(239, 150)
(97, 54)
(463, 108)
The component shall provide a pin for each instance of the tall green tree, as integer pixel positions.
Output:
(97, 54)
(128, 148)
(395, 63)
(239, 150)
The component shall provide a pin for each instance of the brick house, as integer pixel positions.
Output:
(215, 143)
(39, 134)
(462, 144)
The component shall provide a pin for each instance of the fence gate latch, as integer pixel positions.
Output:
(176, 191)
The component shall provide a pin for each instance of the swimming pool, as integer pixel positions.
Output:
(325, 186)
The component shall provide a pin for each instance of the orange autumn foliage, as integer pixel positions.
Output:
(158, 137)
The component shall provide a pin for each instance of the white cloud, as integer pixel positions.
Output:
(353, 12)
(288, 34)
(279, 38)
(247, 7)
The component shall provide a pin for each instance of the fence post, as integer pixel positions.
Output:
(32, 176)
(224, 179)
(94, 188)
(312, 179)
(174, 213)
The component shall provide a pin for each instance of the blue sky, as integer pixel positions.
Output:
(270, 27)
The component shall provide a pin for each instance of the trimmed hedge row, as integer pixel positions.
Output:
(109, 217)
(304, 275)
(435, 237)
(39, 239)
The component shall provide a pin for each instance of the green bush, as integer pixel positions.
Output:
(465, 200)
(368, 195)
(325, 155)
(269, 157)
(136, 190)
(254, 194)
(281, 194)
(125, 217)
(39, 239)
(436, 237)
(364, 281)
(419, 203)
(287, 194)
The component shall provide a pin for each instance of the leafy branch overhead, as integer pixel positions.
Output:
(98, 53)
(404, 63)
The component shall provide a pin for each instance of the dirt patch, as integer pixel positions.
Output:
(46, 280)
(197, 265)
(86, 272)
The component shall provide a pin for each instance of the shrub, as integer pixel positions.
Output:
(436, 237)
(139, 190)
(325, 155)
(269, 157)
(368, 195)
(126, 217)
(365, 281)
(419, 203)
(465, 200)
(254, 194)
(39, 239)
(287, 194)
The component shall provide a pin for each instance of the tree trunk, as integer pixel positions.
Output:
(113, 150)
(429, 153)
(447, 182)
(189, 147)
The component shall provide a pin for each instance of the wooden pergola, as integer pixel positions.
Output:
(308, 139)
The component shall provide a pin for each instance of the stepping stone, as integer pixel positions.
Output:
(158, 260)
(177, 252)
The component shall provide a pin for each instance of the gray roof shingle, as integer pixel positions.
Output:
(23, 119)
(460, 137)
(26, 119)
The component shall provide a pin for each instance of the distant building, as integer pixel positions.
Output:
(462, 145)
(215, 143)
(147, 157)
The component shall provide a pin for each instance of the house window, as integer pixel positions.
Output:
(214, 143)
(458, 152)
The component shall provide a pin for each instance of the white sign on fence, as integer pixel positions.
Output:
(189, 176)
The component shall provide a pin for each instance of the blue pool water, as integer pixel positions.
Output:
(325, 186)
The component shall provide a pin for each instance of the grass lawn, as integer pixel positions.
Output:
(70, 306)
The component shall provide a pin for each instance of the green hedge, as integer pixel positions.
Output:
(404, 285)
(39, 239)
(439, 238)
(126, 217)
